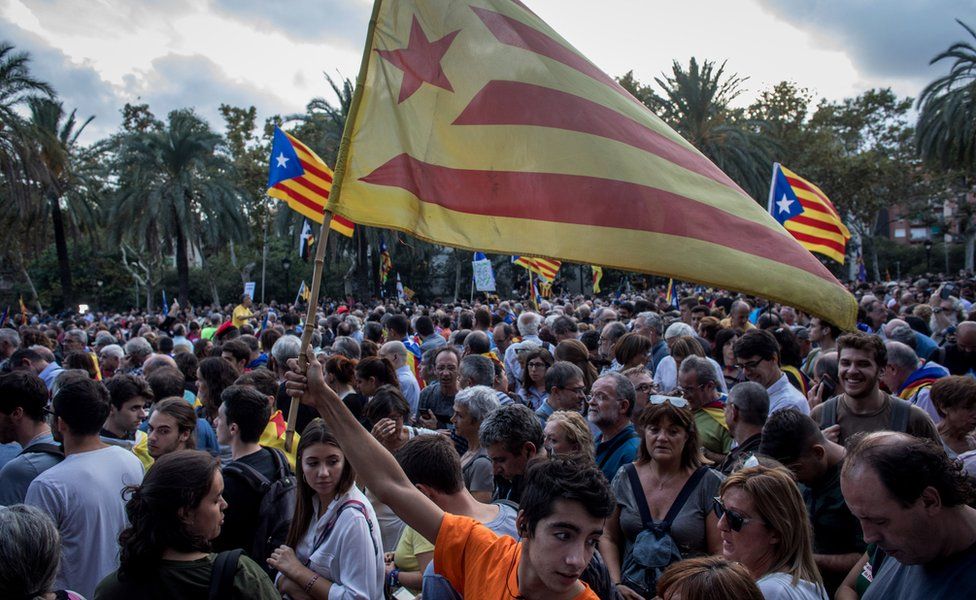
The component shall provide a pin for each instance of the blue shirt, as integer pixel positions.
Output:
(409, 387)
(17, 475)
(49, 374)
(617, 451)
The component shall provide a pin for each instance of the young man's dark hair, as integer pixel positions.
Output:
(591, 339)
(123, 388)
(249, 409)
(261, 379)
(19, 356)
(756, 342)
(238, 349)
(165, 381)
(858, 340)
(83, 405)
(482, 318)
(24, 389)
(433, 461)
(477, 342)
(398, 326)
(164, 344)
(251, 341)
(373, 332)
(788, 434)
(568, 479)
(424, 326)
(700, 309)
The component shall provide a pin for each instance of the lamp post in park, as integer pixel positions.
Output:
(928, 255)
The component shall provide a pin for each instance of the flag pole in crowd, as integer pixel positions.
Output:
(323, 237)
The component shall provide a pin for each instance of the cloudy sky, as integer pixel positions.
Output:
(99, 54)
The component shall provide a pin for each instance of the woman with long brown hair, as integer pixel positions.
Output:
(333, 548)
(575, 351)
(174, 516)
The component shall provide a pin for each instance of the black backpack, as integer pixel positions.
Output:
(276, 507)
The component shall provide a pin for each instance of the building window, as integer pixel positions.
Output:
(900, 232)
(919, 233)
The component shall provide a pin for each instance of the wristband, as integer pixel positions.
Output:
(394, 578)
(311, 582)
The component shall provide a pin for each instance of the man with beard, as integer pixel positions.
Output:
(171, 427)
(864, 407)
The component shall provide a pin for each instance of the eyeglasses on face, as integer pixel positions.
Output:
(752, 364)
(579, 391)
(672, 400)
(537, 365)
(644, 388)
(735, 520)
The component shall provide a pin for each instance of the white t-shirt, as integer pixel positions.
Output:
(348, 557)
(779, 586)
(83, 494)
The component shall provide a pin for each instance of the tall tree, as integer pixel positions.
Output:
(55, 165)
(946, 130)
(176, 190)
(697, 102)
(17, 87)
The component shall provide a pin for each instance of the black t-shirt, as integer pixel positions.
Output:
(243, 502)
(442, 405)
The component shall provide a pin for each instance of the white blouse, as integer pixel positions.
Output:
(351, 557)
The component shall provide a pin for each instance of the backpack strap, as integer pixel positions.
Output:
(280, 462)
(222, 575)
(684, 494)
(828, 416)
(614, 446)
(42, 448)
(331, 523)
(645, 512)
(900, 412)
(252, 476)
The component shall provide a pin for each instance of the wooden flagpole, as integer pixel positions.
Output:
(339, 173)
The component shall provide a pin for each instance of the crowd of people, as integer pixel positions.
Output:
(714, 446)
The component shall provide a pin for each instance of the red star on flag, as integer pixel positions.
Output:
(420, 61)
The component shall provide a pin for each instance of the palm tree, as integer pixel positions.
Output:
(56, 165)
(176, 185)
(17, 86)
(697, 104)
(946, 131)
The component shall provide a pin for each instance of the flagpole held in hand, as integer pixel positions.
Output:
(340, 170)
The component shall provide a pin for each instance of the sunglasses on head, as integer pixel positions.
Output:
(672, 400)
(735, 520)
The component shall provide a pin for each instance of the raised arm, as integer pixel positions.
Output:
(374, 465)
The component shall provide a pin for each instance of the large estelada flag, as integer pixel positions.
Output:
(806, 212)
(298, 177)
(477, 126)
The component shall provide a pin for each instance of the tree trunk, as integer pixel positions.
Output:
(362, 263)
(61, 245)
(457, 276)
(30, 284)
(182, 267)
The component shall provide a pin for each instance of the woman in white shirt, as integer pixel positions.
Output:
(333, 549)
(764, 525)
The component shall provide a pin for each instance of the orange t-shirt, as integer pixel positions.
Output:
(480, 564)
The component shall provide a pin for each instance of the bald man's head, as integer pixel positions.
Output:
(395, 352)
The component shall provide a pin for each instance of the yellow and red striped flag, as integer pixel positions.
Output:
(806, 212)
(545, 268)
(477, 126)
(298, 177)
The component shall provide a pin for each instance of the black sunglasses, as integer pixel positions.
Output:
(735, 520)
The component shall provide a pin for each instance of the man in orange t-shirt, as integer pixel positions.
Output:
(564, 505)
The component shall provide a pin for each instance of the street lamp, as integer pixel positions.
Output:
(100, 283)
(286, 265)
(928, 255)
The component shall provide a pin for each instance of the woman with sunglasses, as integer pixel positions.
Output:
(535, 363)
(764, 525)
(669, 458)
